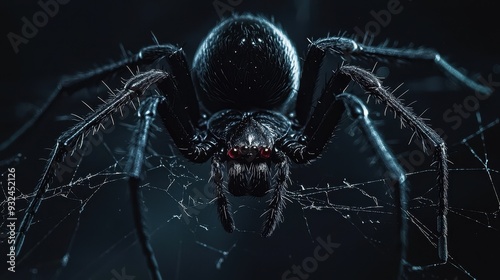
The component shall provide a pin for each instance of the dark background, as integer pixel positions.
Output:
(85, 34)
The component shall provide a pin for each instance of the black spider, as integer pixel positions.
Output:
(256, 115)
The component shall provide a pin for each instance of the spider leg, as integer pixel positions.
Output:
(178, 67)
(431, 140)
(320, 125)
(347, 47)
(394, 173)
(277, 201)
(319, 129)
(223, 206)
(69, 139)
(326, 115)
(133, 168)
(172, 110)
(194, 148)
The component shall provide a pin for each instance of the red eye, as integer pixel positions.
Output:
(233, 153)
(265, 152)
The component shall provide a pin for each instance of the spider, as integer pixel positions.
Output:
(246, 104)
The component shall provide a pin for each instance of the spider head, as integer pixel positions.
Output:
(249, 148)
(249, 151)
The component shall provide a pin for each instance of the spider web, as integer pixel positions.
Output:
(84, 229)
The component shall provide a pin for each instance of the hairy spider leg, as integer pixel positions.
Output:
(70, 139)
(136, 157)
(320, 126)
(326, 116)
(180, 130)
(223, 205)
(432, 143)
(278, 198)
(176, 60)
(347, 47)
(394, 173)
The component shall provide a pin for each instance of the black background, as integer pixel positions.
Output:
(85, 34)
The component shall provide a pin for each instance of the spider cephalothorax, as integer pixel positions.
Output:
(249, 138)
(246, 82)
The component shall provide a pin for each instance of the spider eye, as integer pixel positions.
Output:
(265, 152)
(244, 150)
(234, 153)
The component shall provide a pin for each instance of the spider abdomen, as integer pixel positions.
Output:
(246, 63)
